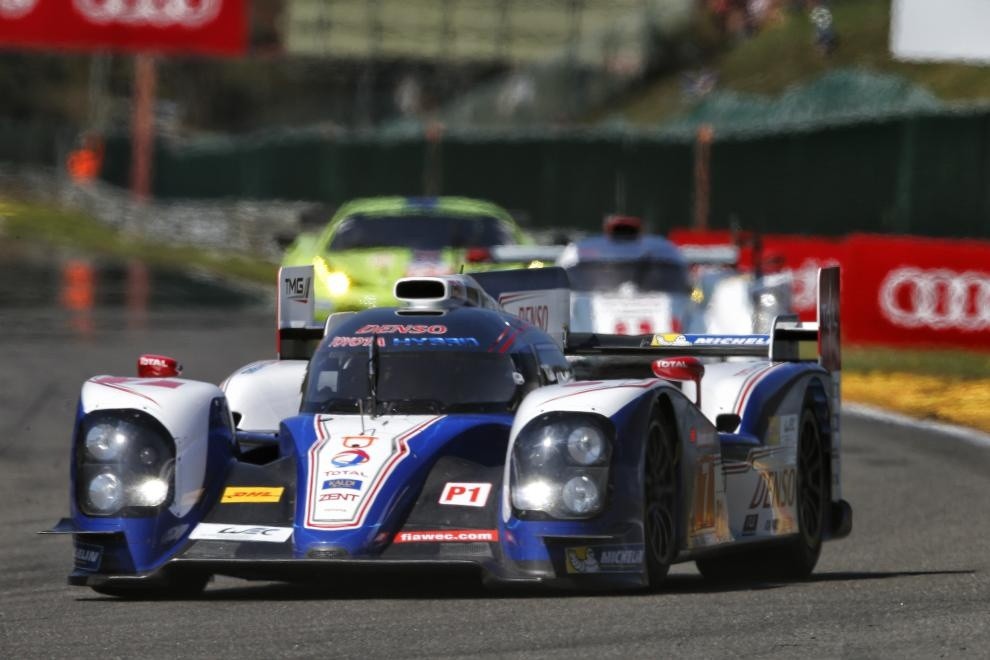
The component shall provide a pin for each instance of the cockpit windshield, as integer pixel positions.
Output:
(645, 274)
(412, 382)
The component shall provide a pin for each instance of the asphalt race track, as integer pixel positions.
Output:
(913, 580)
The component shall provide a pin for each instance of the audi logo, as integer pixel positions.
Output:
(937, 299)
(159, 13)
(16, 8)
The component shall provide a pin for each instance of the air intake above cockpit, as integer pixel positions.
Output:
(444, 292)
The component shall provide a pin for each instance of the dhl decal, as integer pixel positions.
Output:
(252, 494)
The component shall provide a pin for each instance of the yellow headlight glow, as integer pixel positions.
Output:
(337, 283)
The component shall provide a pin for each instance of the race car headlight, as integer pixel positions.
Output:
(580, 495)
(560, 465)
(336, 282)
(768, 300)
(124, 464)
(586, 445)
(104, 494)
(105, 442)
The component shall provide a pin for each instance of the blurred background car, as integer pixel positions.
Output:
(736, 299)
(626, 281)
(369, 243)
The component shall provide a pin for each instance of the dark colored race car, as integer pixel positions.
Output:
(449, 433)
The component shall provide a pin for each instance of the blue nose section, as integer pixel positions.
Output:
(359, 479)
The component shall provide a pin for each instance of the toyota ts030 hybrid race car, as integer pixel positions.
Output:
(450, 433)
(625, 281)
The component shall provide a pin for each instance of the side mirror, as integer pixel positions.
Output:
(157, 366)
(727, 422)
(684, 368)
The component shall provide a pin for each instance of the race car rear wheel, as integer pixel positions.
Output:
(796, 558)
(660, 501)
(188, 586)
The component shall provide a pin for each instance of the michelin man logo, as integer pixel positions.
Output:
(16, 8)
(157, 13)
(670, 339)
(581, 560)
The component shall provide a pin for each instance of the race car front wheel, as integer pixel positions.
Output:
(660, 501)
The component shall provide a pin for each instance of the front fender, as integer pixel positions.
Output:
(197, 420)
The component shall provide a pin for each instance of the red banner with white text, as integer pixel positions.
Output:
(205, 27)
(896, 290)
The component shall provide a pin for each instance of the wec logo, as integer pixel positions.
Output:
(158, 13)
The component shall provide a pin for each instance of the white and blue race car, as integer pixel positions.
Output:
(451, 433)
(625, 281)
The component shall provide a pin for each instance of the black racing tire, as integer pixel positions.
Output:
(173, 588)
(660, 501)
(797, 557)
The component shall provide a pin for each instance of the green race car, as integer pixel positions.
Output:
(371, 242)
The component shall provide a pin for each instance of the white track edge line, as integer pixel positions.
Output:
(964, 433)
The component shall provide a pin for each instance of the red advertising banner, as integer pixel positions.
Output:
(206, 27)
(917, 291)
(896, 290)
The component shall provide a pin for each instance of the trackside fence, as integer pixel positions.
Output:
(924, 174)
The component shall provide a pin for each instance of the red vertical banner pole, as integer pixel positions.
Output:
(702, 175)
(142, 125)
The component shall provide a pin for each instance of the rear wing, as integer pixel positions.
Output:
(789, 340)
(501, 254)
(710, 255)
(296, 331)
(541, 296)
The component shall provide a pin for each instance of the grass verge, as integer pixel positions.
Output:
(941, 385)
(39, 224)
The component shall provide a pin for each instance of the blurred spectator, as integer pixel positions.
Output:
(698, 83)
(517, 95)
(84, 163)
(826, 38)
(409, 95)
(737, 19)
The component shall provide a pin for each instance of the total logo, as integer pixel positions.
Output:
(350, 458)
(16, 8)
(158, 13)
